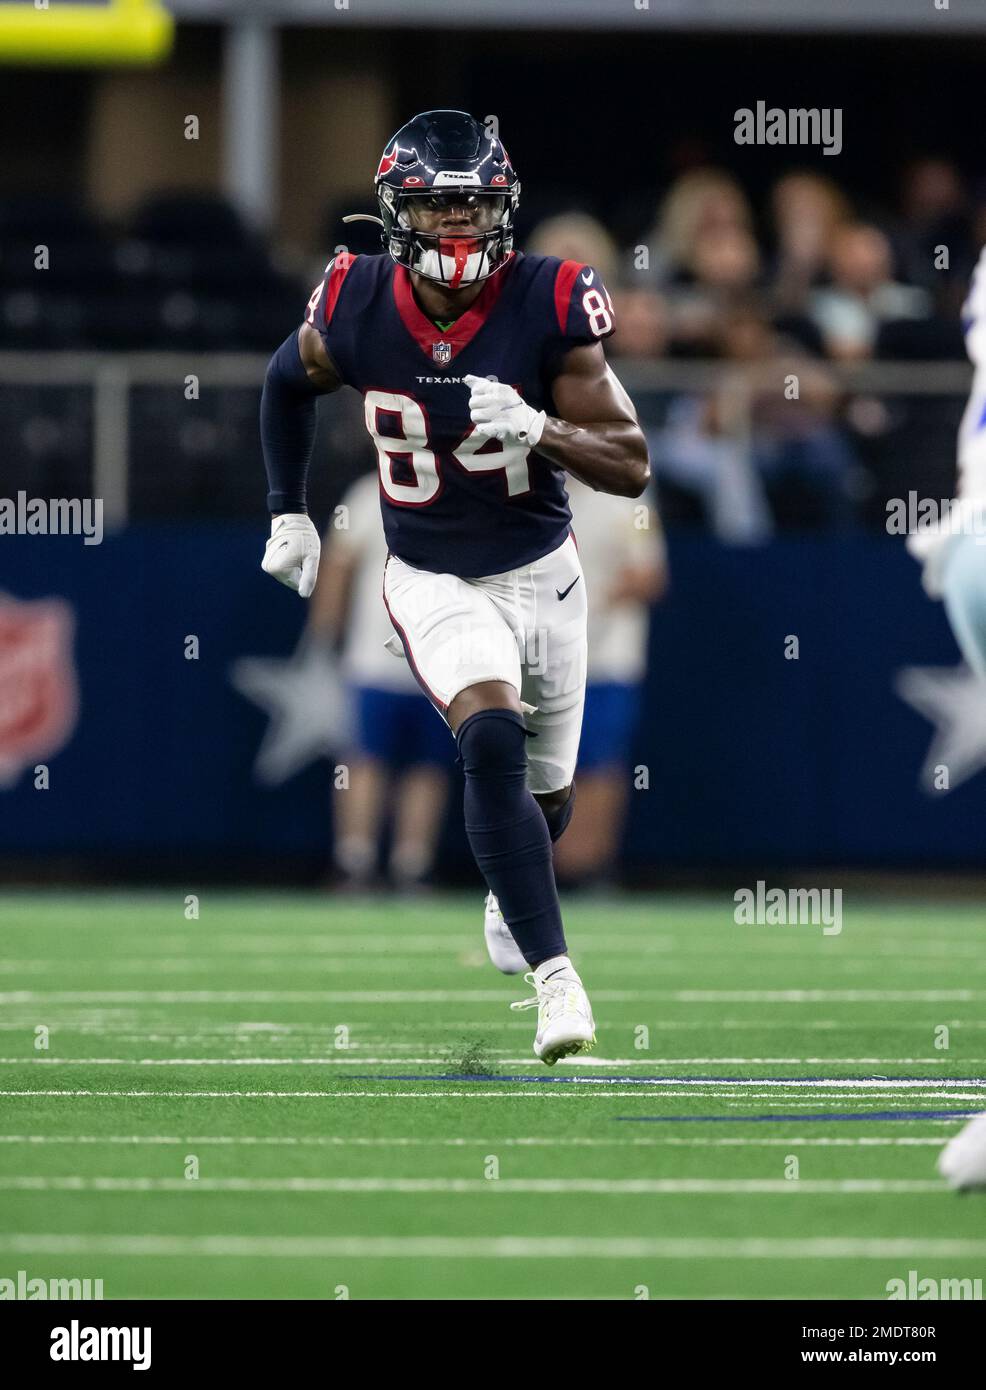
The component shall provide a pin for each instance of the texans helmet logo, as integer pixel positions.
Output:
(387, 162)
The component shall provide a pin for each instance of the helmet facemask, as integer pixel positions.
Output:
(450, 258)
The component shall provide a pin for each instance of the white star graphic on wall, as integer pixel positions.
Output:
(308, 704)
(953, 698)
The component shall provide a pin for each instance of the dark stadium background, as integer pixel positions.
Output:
(622, 113)
(755, 762)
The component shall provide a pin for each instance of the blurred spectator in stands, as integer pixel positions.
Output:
(641, 314)
(765, 448)
(641, 323)
(575, 236)
(403, 755)
(806, 209)
(621, 546)
(725, 268)
(700, 203)
(978, 214)
(935, 214)
(863, 293)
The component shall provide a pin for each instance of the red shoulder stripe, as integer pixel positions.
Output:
(340, 269)
(564, 281)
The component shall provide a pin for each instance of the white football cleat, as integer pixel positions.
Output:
(963, 1159)
(504, 951)
(565, 1022)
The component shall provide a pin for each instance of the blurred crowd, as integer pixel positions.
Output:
(814, 267)
(783, 298)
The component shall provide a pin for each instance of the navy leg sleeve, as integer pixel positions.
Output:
(508, 833)
(288, 416)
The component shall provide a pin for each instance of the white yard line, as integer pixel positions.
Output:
(549, 1092)
(495, 1247)
(328, 953)
(939, 1061)
(388, 943)
(529, 1141)
(604, 1187)
(453, 1070)
(99, 1023)
(776, 942)
(489, 996)
(354, 1058)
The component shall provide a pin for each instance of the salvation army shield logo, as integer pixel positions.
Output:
(442, 353)
(39, 699)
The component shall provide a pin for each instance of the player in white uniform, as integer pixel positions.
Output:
(401, 758)
(954, 556)
(954, 549)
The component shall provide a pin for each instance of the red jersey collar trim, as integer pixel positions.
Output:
(460, 335)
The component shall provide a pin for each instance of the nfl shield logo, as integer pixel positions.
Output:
(442, 353)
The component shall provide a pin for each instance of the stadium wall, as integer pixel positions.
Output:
(752, 757)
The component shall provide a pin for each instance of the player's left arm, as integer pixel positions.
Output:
(596, 435)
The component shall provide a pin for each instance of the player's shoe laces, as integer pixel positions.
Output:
(963, 1159)
(565, 1022)
(504, 951)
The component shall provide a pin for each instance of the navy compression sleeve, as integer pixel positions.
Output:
(287, 427)
(507, 832)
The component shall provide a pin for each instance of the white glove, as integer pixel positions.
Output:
(291, 554)
(499, 412)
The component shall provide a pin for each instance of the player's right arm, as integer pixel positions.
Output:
(322, 371)
(299, 371)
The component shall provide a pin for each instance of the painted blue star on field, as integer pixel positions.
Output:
(953, 698)
(308, 705)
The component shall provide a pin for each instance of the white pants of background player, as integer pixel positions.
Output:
(526, 627)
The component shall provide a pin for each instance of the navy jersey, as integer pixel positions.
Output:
(454, 501)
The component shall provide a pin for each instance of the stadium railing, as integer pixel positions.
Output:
(174, 435)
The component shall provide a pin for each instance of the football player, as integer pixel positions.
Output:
(953, 549)
(484, 383)
(954, 557)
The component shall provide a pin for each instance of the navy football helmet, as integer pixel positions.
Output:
(447, 158)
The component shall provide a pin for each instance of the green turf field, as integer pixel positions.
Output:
(725, 1054)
